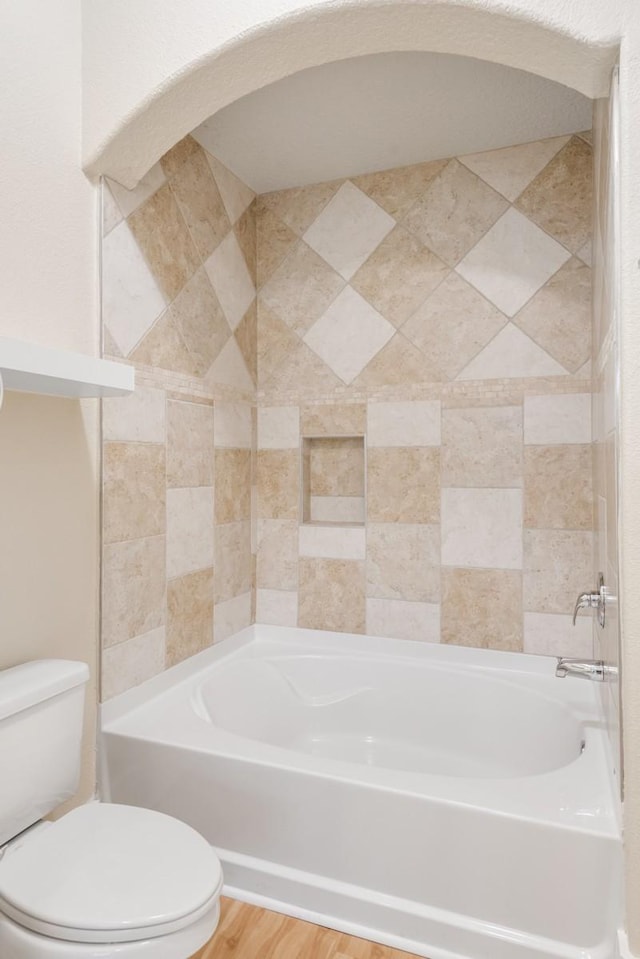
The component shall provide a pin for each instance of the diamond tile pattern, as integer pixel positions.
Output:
(454, 213)
(348, 230)
(439, 251)
(349, 334)
(512, 261)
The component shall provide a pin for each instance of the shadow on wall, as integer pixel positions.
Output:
(49, 521)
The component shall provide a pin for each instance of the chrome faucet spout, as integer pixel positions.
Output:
(594, 669)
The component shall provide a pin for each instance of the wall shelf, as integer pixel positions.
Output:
(30, 368)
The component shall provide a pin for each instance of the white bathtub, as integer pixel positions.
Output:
(451, 802)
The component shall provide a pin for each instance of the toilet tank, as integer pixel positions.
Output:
(41, 712)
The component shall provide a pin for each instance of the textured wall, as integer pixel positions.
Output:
(178, 303)
(442, 313)
(48, 447)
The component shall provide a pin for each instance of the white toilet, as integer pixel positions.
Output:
(105, 880)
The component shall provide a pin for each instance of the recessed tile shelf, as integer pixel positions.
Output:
(333, 480)
(30, 368)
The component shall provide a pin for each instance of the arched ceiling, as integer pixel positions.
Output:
(153, 72)
(382, 111)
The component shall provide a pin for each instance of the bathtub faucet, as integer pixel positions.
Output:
(594, 669)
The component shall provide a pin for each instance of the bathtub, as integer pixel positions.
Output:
(443, 800)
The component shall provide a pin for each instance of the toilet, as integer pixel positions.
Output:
(104, 880)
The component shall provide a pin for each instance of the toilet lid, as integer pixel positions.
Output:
(107, 873)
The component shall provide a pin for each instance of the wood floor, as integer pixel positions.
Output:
(247, 932)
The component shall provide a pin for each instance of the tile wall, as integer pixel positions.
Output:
(178, 276)
(393, 437)
(441, 314)
(605, 410)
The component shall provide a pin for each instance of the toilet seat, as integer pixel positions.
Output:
(110, 873)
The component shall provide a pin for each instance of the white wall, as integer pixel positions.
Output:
(48, 447)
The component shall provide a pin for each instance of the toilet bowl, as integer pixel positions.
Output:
(105, 880)
(108, 880)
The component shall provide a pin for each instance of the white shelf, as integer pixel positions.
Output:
(29, 368)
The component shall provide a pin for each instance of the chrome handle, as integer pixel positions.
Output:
(585, 601)
(595, 600)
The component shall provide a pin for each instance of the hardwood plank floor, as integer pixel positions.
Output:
(248, 932)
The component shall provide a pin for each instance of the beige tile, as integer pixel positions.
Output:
(165, 241)
(403, 562)
(397, 190)
(189, 615)
(399, 363)
(231, 616)
(233, 560)
(559, 199)
(245, 233)
(236, 195)
(511, 169)
(164, 348)
(511, 355)
(403, 485)
(557, 418)
(349, 334)
(232, 485)
(233, 284)
(399, 275)
(550, 634)
(133, 588)
(512, 261)
(278, 483)
(342, 510)
(130, 200)
(136, 418)
(336, 466)
(200, 321)
(278, 427)
(133, 491)
(189, 444)
(452, 326)
(334, 420)
(482, 447)
(398, 619)
(455, 211)
(332, 542)
(482, 608)
(302, 288)
(277, 607)
(289, 364)
(275, 240)
(179, 154)
(557, 566)
(232, 425)
(299, 207)
(246, 336)
(189, 530)
(230, 369)
(131, 297)
(557, 490)
(128, 664)
(567, 295)
(414, 423)
(200, 202)
(348, 230)
(482, 528)
(332, 595)
(277, 549)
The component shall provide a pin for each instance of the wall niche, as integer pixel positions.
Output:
(333, 480)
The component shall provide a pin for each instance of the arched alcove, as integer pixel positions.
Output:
(188, 70)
